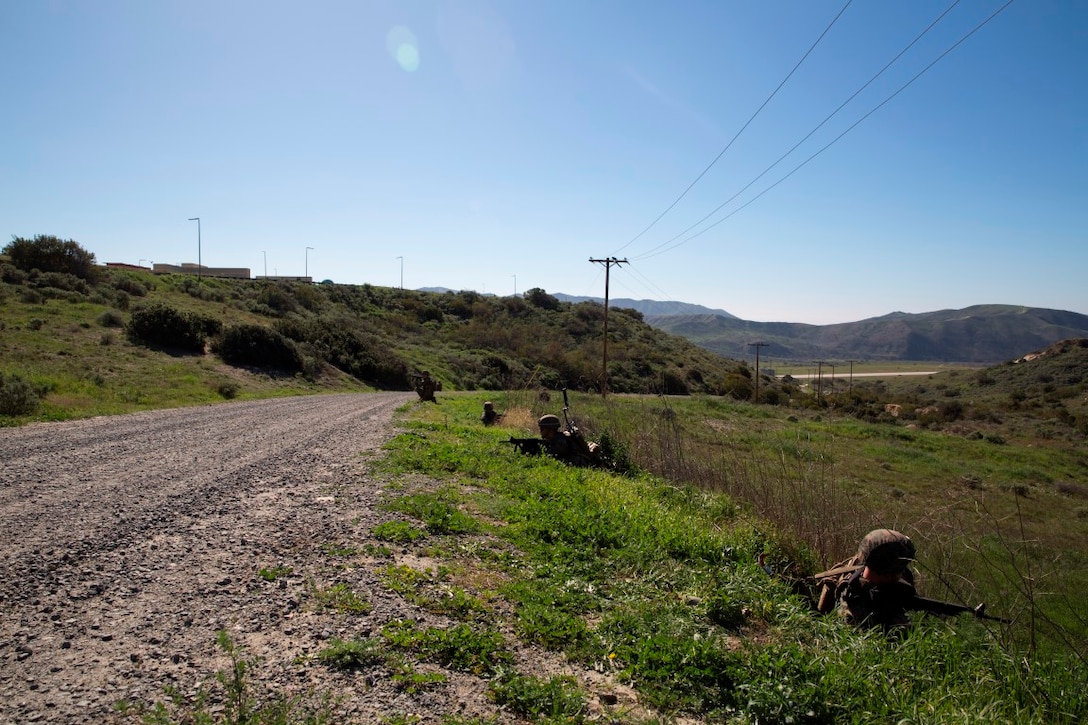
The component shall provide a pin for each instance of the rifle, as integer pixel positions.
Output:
(566, 418)
(935, 606)
(529, 446)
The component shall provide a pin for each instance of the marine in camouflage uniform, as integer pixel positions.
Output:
(875, 587)
(562, 444)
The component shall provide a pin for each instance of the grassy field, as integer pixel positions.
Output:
(661, 584)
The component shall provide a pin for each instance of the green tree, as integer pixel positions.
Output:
(47, 253)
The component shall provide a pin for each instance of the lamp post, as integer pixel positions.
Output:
(401, 272)
(199, 265)
(306, 268)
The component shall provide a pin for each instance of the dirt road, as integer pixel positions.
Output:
(129, 541)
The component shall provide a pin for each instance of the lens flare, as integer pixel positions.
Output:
(404, 47)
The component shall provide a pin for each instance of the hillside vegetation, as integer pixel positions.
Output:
(78, 332)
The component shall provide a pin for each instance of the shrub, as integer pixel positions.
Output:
(258, 346)
(19, 397)
(11, 274)
(341, 344)
(51, 254)
(111, 318)
(160, 324)
(62, 281)
(228, 389)
(129, 285)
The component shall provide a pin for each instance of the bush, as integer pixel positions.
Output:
(51, 254)
(19, 397)
(111, 318)
(129, 285)
(160, 324)
(258, 346)
(338, 342)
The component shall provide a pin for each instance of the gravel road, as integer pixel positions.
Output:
(130, 541)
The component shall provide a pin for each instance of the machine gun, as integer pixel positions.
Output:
(935, 606)
(529, 446)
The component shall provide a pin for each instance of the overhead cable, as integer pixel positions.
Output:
(742, 128)
(807, 136)
(661, 249)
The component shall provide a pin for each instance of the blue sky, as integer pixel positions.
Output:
(498, 145)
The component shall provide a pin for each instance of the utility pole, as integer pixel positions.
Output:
(757, 345)
(851, 390)
(819, 382)
(604, 365)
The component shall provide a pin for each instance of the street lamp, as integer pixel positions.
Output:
(401, 272)
(306, 269)
(198, 262)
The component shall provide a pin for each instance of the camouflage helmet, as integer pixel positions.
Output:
(886, 551)
(548, 421)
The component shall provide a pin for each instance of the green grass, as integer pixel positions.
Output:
(658, 583)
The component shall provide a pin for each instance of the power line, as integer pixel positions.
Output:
(809, 135)
(831, 143)
(742, 128)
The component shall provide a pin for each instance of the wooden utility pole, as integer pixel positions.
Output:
(604, 365)
(757, 345)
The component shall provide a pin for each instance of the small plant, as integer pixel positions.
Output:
(271, 574)
(241, 704)
(228, 389)
(410, 680)
(340, 598)
(460, 647)
(438, 512)
(558, 698)
(354, 654)
(398, 532)
(339, 549)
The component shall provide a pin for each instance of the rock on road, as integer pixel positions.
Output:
(130, 541)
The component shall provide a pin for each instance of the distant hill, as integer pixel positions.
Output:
(650, 307)
(978, 334)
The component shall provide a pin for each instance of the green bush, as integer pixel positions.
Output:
(62, 281)
(339, 342)
(51, 254)
(258, 346)
(19, 397)
(129, 285)
(160, 324)
(111, 318)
